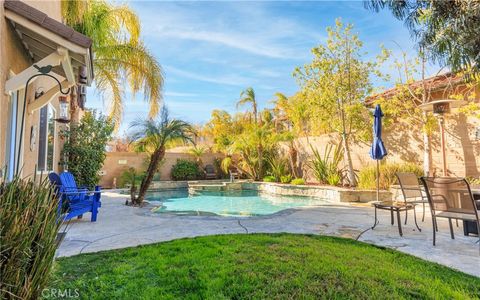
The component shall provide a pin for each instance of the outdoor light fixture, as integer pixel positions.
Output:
(440, 108)
(82, 88)
(42, 71)
(63, 115)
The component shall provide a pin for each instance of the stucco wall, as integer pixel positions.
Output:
(405, 144)
(117, 162)
(14, 59)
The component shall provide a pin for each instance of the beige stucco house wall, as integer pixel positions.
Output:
(405, 144)
(13, 60)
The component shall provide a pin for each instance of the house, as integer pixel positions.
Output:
(461, 132)
(34, 41)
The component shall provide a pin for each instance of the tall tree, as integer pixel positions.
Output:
(121, 59)
(448, 30)
(405, 103)
(248, 96)
(336, 83)
(153, 135)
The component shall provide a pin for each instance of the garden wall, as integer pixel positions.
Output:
(462, 135)
(117, 162)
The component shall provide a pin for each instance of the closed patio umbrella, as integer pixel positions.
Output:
(377, 151)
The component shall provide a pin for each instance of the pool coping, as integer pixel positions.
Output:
(333, 193)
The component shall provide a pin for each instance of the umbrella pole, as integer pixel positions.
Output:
(378, 180)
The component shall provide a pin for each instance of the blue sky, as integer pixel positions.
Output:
(211, 51)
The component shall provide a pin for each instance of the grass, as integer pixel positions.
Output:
(260, 266)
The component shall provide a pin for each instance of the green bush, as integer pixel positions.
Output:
(473, 180)
(278, 168)
(326, 168)
(186, 170)
(285, 178)
(84, 149)
(269, 178)
(29, 227)
(298, 181)
(367, 176)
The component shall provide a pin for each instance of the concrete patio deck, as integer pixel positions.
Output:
(120, 226)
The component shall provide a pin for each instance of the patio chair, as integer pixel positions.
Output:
(234, 174)
(210, 172)
(75, 201)
(412, 191)
(450, 198)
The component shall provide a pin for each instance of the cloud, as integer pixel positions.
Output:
(227, 79)
(232, 40)
(180, 94)
(236, 25)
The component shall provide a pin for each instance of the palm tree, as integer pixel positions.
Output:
(121, 59)
(248, 96)
(198, 152)
(153, 135)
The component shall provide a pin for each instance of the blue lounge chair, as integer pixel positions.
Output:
(74, 200)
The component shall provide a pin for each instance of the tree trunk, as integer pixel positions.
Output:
(427, 152)
(260, 162)
(74, 108)
(155, 159)
(348, 158)
(293, 155)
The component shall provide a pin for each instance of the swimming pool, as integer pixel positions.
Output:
(232, 203)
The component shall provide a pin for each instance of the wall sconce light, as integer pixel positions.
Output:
(63, 113)
(82, 88)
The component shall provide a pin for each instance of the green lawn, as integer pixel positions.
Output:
(260, 266)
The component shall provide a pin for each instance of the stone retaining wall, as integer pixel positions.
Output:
(335, 194)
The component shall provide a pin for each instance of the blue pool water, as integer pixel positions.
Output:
(236, 203)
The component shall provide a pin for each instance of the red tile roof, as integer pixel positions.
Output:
(440, 82)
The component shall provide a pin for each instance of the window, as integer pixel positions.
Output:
(46, 138)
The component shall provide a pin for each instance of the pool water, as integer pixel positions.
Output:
(233, 203)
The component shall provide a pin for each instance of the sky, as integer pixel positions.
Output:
(210, 51)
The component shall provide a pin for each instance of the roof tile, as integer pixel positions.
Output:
(48, 23)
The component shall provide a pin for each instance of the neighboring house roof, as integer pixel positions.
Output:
(443, 82)
(46, 22)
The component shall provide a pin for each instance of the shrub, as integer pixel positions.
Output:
(28, 213)
(278, 168)
(298, 181)
(186, 170)
(325, 168)
(367, 176)
(473, 180)
(131, 178)
(285, 178)
(84, 149)
(217, 163)
(269, 178)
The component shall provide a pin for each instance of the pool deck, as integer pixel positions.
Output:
(120, 226)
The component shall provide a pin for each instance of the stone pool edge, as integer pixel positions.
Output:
(333, 194)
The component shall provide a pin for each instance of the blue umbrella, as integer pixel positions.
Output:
(377, 151)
